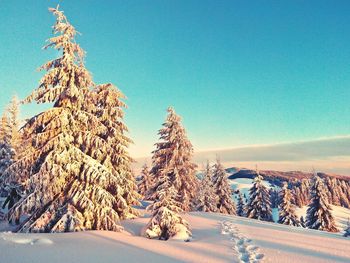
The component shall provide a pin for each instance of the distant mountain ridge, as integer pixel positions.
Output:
(277, 177)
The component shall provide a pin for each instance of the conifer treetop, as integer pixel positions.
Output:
(67, 79)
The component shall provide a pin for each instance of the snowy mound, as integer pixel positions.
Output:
(216, 238)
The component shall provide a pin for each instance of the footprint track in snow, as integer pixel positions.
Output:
(243, 247)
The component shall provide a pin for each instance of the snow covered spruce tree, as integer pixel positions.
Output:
(207, 199)
(105, 102)
(287, 214)
(6, 151)
(145, 182)
(174, 153)
(259, 206)
(13, 124)
(166, 222)
(10, 139)
(319, 213)
(223, 190)
(240, 211)
(72, 154)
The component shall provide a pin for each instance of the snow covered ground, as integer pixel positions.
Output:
(216, 238)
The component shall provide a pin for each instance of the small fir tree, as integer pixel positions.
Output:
(207, 199)
(287, 214)
(223, 190)
(10, 142)
(319, 213)
(166, 221)
(7, 152)
(240, 205)
(174, 154)
(13, 124)
(259, 206)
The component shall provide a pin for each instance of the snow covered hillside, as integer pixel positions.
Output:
(341, 214)
(216, 238)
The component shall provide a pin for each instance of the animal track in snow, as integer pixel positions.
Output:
(243, 247)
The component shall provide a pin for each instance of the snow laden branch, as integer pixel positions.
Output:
(75, 159)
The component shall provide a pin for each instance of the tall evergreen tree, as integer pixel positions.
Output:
(72, 172)
(259, 206)
(207, 199)
(174, 153)
(240, 211)
(223, 190)
(287, 214)
(319, 213)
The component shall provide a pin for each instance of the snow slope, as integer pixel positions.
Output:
(340, 214)
(216, 238)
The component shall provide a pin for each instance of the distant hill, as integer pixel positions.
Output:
(277, 177)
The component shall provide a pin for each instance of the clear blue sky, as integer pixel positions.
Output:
(238, 72)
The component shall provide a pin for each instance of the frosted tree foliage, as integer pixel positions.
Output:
(207, 199)
(240, 211)
(145, 182)
(259, 206)
(319, 213)
(9, 137)
(174, 153)
(105, 102)
(74, 158)
(287, 215)
(13, 124)
(301, 193)
(223, 190)
(166, 221)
